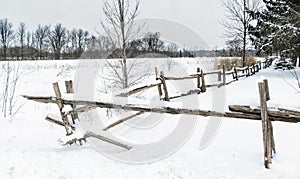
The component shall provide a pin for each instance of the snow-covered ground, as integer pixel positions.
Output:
(29, 147)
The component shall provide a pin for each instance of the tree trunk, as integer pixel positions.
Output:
(4, 52)
(122, 24)
(244, 35)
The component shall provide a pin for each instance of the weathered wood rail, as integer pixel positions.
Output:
(239, 112)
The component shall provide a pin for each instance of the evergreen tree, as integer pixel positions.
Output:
(277, 29)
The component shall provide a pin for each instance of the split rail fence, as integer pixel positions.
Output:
(266, 115)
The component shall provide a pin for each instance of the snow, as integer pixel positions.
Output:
(29, 147)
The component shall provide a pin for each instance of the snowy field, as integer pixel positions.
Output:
(29, 147)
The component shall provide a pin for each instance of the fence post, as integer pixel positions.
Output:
(163, 80)
(253, 68)
(69, 89)
(267, 89)
(265, 125)
(224, 75)
(60, 106)
(198, 77)
(259, 63)
(159, 86)
(219, 76)
(269, 122)
(69, 86)
(203, 87)
(236, 73)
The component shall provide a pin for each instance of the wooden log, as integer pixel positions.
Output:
(180, 78)
(91, 134)
(203, 86)
(60, 106)
(50, 119)
(289, 112)
(267, 89)
(264, 117)
(121, 121)
(100, 137)
(191, 92)
(224, 75)
(163, 81)
(198, 78)
(81, 109)
(137, 90)
(284, 116)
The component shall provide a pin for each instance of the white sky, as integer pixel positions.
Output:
(202, 16)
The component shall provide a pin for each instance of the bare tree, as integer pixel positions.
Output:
(58, 39)
(119, 26)
(6, 35)
(238, 20)
(41, 34)
(22, 36)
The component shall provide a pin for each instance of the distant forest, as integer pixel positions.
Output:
(58, 42)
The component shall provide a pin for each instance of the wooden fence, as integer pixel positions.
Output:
(200, 76)
(69, 118)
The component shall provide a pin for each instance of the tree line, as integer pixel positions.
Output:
(58, 42)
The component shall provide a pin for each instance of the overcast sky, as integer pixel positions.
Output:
(202, 16)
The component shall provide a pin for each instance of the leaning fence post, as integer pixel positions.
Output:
(159, 86)
(203, 87)
(269, 122)
(265, 124)
(224, 75)
(163, 80)
(60, 106)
